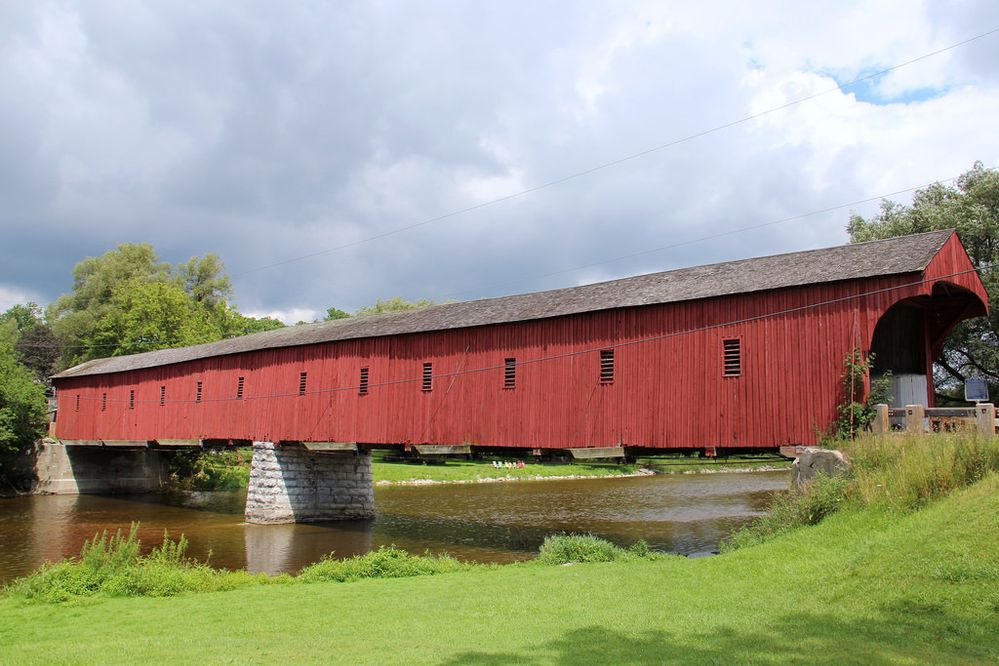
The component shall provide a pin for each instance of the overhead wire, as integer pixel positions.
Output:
(581, 352)
(621, 160)
(720, 234)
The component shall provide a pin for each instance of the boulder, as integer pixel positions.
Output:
(812, 461)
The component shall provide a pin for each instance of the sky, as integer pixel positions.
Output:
(335, 153)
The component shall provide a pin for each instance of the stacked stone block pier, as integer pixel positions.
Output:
(295, 485)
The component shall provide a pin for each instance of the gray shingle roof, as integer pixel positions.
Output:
(906, 254)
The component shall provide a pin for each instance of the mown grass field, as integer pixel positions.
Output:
(876, 582)
(230, 470)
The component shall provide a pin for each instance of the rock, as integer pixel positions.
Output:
(812, 461)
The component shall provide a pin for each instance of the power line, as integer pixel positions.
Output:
(621, 160)
(701, 239)
(575, 353)
(632, 255)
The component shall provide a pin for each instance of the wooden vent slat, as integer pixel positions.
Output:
(303, 379)
(606, 366)
(428, 376)
(239, 387)
(732, 357)
(197, 393)
(510, 373)
(162, 395)
(363, 386)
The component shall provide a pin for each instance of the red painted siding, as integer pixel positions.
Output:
(668, 392)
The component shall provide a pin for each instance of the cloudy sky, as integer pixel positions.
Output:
(295, 139)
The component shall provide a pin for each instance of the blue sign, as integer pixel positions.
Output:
(976, 390)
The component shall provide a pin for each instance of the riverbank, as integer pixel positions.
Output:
(862, 586)
(902, 567)
(229, 470)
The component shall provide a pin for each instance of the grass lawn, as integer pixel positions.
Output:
(863, 586)
(473, 470)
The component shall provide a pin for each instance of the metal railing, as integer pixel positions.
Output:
(919, 419)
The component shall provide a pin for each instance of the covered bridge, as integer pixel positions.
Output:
(738, 355)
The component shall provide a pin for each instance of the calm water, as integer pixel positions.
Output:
(494, 522)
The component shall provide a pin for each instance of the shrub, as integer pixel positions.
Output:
(386, 562)
(578, 548)
(113, 567)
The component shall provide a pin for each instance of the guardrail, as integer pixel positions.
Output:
(919, 419)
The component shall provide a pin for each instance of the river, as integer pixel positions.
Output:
(489, 522)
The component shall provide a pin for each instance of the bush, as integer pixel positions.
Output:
(386, 562)
(578, 548)
(113, 567)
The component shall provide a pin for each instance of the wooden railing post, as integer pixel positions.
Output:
(914, 416)
(881, 424)
(985, 418)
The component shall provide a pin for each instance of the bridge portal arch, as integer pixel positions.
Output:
(909, 337)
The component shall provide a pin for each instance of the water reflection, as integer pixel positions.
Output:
(496, 522)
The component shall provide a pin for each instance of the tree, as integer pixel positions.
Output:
(35, 346)
(145, 316)
(128, 301)
(22, 403)
(396, 304)
(972, 208)
(335, 313)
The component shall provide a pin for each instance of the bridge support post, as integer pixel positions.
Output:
(294, 485)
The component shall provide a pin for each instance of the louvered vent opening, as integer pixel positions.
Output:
(428, 376)
(162, 395)
(239, 387)
(732, 357)
(510, 373)
(606, 366)
(303, 379)
(131, 399)
(197, 393)
(363, 386)
(104, 402)
(77, 402)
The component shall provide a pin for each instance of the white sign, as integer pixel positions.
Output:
(976, 390)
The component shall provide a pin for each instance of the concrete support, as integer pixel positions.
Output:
(62, 469)
(294, 485)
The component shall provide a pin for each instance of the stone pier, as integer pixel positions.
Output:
(65, 469)
(294, 485)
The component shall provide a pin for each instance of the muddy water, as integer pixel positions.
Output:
(494, 522)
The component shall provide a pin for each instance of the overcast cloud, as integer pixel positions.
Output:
(266, 131)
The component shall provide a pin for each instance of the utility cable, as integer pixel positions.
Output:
(621, 160)
(581, 352)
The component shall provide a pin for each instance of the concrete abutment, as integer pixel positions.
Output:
(294, 485)
(62, 469)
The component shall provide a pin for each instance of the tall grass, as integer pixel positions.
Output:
(386, 562)
(113, 567)
(895, 473)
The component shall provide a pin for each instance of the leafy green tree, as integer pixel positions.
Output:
(205, 280)
(128, 301)
(396, 304)
(335, 313)
(971, 207)
(146, 316)
(35, 346)
(22, 403)
(237, 324)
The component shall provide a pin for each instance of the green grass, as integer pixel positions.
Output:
(863, 586)
(906, 575)
(475, 470)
